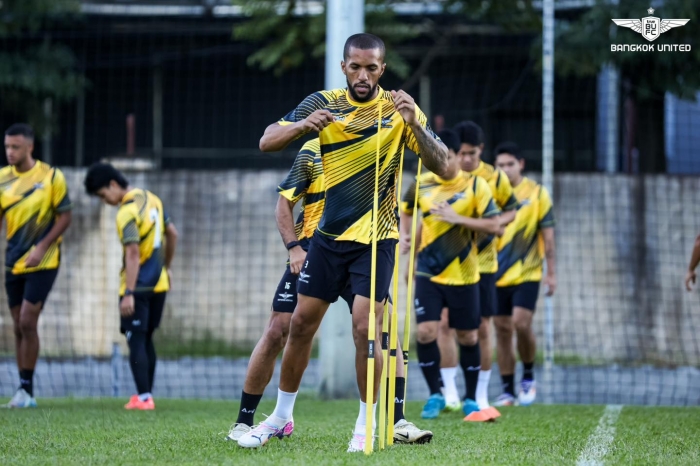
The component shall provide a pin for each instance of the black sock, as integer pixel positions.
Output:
(138, 360)
(429, 361)
(508, 384)
(470, 360)
(528, 373)
(249, 404)
(26, 380)
(398, 400)
(151, 354)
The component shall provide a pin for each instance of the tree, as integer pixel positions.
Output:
(32, 67)
(289, 32)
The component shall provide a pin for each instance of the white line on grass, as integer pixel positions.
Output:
(601, 439)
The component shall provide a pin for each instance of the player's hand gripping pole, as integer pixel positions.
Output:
(371, 332)
(394, 332)
(409, 289)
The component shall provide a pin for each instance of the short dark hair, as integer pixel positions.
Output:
(20, 129)
(508, 148)
(99, 176)
(450, 138)
(470, 133)
(364, 41)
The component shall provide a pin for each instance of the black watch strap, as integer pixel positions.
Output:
(292, 244)
(128, 292)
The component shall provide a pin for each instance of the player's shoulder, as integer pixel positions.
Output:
(312, 146)
(6, 174)
(427, 179)
(486, 170)
(325, 96)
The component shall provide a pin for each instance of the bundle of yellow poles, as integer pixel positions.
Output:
(390, 323)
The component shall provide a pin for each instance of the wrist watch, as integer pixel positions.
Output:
(128, 292)
(292, 244)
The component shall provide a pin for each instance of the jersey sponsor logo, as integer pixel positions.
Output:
(386, 123)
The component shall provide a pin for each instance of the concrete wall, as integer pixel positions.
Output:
(623, 245)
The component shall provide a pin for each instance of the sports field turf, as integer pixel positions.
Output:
(99, 431)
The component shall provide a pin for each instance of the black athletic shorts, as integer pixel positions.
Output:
(488, 299)
(330, 265)
(285, 299)
(148, 310)
(33, 287)
(523, 295)
(461, 301)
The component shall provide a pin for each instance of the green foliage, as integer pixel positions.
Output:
(290, 32)
(41, 69)
(583, 47)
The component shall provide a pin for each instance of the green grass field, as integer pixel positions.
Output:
(99, 431)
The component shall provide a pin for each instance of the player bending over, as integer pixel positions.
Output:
(350, 131)
(472, 145)
(521, 250)
(34, 201)
(454, 207)
(304, 182)
(148, 239)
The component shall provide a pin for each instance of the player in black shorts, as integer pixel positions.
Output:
(37, 210)
(453, 209)
(527, 242)
(350, 131)
(148, 239)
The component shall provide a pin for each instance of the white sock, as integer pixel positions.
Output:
(449, 375)
(283, 411)
(144, 396)
(482, 389)
(361, 423)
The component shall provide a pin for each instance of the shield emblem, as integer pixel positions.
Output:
(651, 28)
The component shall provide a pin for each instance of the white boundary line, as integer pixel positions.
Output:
(600, 440)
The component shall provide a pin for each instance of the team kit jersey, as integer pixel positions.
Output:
(521, 248)
(305, 182)
(447, 272)
(29, 202)
(504, 197)
(348, 151)
(141, 220)
(448, 253)
(339, 251)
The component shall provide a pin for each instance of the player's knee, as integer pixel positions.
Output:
(504, 328)
(278, 331)
(301, 326)
(484, 330)
(426, 333)
(16, 330)
(521, 325)
(27, 326)
(360, 332)
(467, 337)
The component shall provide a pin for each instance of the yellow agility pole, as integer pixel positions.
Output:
(409, 290)
(382, 383)
(371, 332)
(394, 330)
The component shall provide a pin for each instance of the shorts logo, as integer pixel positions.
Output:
(303, 277)
(136, 322)
(287, 285)
(285, 297)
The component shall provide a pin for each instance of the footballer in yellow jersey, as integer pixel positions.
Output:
(37, 210)
(453, 208)
(525, 244)
(355, 126)
(472, 139)
(148, 238)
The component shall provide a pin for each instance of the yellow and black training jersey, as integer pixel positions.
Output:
(349, 152)
(305, 181)
(521, 248)
(141, 220)
(505, 199)
(447, 253)
(29, 202)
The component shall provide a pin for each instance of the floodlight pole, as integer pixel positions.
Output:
(548, 159)
(337, 349)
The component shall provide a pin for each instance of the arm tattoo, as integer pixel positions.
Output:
(432, 152)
